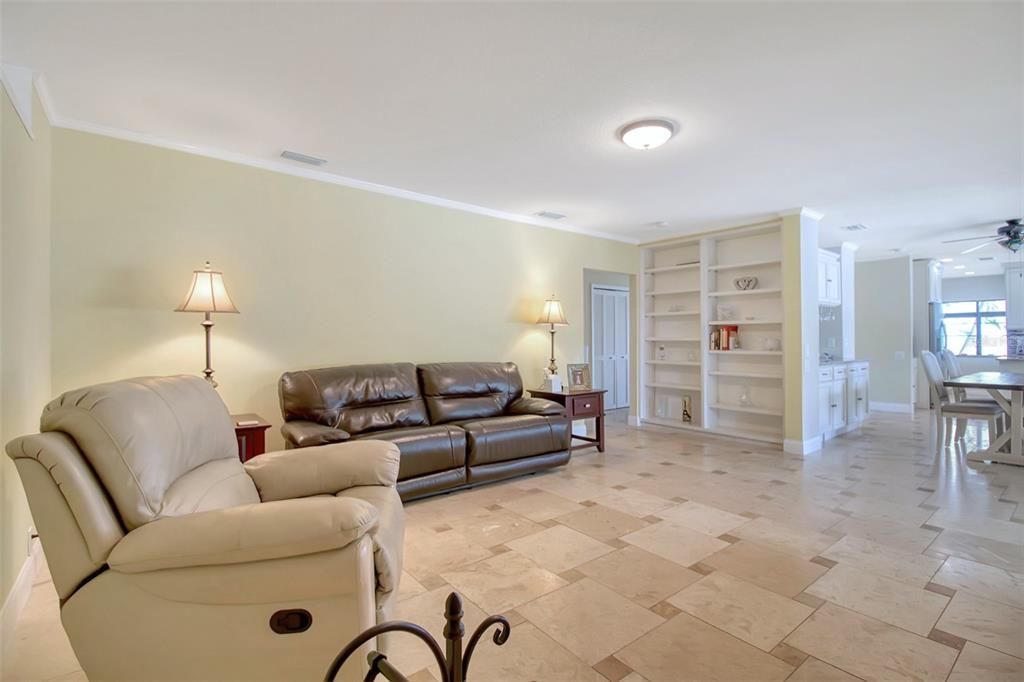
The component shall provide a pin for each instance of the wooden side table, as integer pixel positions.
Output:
(580, 404)
(252, 438)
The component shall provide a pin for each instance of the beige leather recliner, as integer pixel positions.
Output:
(171, 558)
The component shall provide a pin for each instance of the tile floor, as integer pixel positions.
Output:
(677, 557)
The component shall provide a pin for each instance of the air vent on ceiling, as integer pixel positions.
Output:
(550, 215)
(986, 257)
(303, 158)
(855, 228)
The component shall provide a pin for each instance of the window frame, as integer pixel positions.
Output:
(978, 316)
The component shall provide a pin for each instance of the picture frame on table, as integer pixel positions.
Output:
(579, 377)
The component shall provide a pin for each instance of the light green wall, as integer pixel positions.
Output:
(322, 274)
(884, 327)
(24, 313)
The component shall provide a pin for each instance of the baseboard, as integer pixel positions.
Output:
(801, 447)
(900, 408)
(14, 604)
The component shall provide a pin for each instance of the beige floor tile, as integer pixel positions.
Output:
(427, 609)
(503, 582)
(813, 670)
(409, 587)
(559, 548)
(781, 538)
(702, 518)
(993, 529)
(686, 649)
(897, 603)
(634, 677)
(633, 502)
(574, 489)
(528, 655)
(781, 573)
(874, 508)
(495, 528)
(429, 553)
(744, 610)
(639, 575)
(675, 543)
(884, 560)
(986, 622)
(982, 580)
(869, 648)
(904, 537)
(980, 664)
(1005, 555)
(540, 505)
(601, 523)
(589, 619)
(40, 650)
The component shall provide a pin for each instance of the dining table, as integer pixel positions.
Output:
(1007, 389)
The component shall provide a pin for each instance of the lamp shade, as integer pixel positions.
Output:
(207, 294)
(553, 313)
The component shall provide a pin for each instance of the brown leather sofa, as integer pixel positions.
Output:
(456, 424)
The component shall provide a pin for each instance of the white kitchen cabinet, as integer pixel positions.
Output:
(842, 397)
(829, 279)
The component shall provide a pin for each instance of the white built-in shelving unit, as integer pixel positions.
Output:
(688, 291)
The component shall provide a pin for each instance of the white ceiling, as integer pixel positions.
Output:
(906, 117)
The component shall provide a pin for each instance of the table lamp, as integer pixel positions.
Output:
(207, 295)
(553, 315)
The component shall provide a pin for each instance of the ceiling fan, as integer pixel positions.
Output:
(1010, 235)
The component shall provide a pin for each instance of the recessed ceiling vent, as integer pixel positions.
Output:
(550, 215)
(986, 257)
(855, 228)
(302, 158)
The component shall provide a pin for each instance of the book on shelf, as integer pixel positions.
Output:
(726, 337)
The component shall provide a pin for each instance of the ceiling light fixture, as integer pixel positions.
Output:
(946, 260)
(859, 227)
(969, 272)
(959, 267)
(647, 134)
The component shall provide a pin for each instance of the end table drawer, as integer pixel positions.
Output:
(586, 406)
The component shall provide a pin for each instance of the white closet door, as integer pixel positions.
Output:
(610, 313)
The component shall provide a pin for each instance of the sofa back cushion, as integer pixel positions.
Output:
(356, 398)
(161, 446)
(457, 391)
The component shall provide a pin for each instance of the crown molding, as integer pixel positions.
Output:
(803, 212)
(284, 168)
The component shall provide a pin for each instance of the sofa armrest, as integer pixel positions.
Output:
(541, 406)
(252, 532)
(303, 434)
(325, 469)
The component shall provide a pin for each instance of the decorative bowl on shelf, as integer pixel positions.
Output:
(745, 283)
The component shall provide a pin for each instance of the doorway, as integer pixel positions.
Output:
(609, 319)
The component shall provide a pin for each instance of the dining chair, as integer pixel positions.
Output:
(948, 409)
(951, 368)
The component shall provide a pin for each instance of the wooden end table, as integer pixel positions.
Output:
(581, 403)
(252, 438)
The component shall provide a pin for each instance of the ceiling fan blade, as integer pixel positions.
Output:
(966, 239)
(979, 246)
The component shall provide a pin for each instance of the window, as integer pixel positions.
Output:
(975, 327)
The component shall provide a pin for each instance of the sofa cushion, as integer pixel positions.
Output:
(501, 439)
(425, 450)
(462, 391)
(355, 398)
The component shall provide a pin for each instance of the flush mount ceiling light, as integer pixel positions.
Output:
(947, 260)
(647, 134)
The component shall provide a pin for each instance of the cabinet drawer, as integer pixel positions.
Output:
(839, 372)
(586, 406)
(824, 374)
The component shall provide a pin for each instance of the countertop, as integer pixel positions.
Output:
(833, 363)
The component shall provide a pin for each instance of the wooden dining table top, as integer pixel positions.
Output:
(1006, 381)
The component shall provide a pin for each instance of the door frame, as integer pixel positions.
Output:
(594, 288)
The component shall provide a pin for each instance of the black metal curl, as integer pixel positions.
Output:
(500, 637)
(391, 626)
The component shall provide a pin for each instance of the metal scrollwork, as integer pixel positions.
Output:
(453, 665)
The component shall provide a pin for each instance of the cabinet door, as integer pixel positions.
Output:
(822, 278)
(838, 403)
(832, 281)
(825, 406)
(860, 390)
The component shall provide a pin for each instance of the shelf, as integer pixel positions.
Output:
(746, 352)
(671, 340)
(746, 375)
(747, 410)
(739, 322)
(673, 363)
(675, 387)
(674, 313)
(673, 292)
(746, 292)
(740, 266)
(672, 268)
